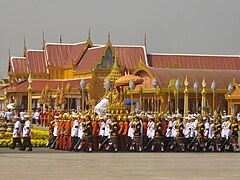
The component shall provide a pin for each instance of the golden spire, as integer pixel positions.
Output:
(115, 73)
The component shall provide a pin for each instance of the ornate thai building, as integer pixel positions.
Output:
(168, 80)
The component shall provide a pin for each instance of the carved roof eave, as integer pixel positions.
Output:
(142, 67)
(78, 59)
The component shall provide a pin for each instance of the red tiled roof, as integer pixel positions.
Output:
(19, 65)
(75, 52)
(57, 53)
(194, 61)
(37, 63)
(129, 55)
(222, 77)
(90, 58)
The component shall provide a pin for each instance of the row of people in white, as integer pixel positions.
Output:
(19, 132)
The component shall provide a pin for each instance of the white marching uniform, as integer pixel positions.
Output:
(193, 127)
(26, 129)
(55, 129)
(36, 116)
(211, 131)
(22, 115)
(130, 130)
(17, 131)
(187, 130)
(80, 130)
(74, 129)
(150, 129)
(104, 129)
(206, 129)
(225, 133)
(170, 130)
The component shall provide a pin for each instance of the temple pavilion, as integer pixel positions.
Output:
(78, 75)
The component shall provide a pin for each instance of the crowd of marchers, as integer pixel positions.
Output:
(143, 132)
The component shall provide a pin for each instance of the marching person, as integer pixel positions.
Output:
(150, 132)
(104, 133)
(54, 134)
(87, 134)
(95, 132)
(137, 135)
(158, 136)
(27, 135)
(17, 133)
(36, 116)
(74, 134)
(234, 135)
(114, 128)
(180, 135)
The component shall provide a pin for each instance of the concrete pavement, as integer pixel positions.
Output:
(44, 163)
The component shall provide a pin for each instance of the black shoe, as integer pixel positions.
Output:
(30, 149)
(22, 149)
(12, 147)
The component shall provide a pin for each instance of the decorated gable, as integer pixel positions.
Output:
(107, 61)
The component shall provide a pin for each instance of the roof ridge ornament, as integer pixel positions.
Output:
(24, 47)
(43, 40)
(89, 34)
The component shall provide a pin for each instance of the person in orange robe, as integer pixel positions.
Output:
(95, 132)
(125, 132)
(120, 133)
(67, 135)
(144, 131)
(45, 118)
(60, 130)
(41, 117)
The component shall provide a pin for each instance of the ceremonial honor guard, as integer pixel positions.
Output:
(55, 131)
(217, 135)
(17, 133)
(234, 135)
(137, 135)
(114, 128)
(104, 133)
(158, 137)
(27, 135)
(87, 134)
(150, 132)
(200, 143)
(74, 134)
(180, 136)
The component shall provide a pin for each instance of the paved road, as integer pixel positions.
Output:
(50, 164)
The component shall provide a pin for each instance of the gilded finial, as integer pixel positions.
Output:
(204, 82)
(9, 54)
(234, 80)
(43, 40)
(60, 40)
(24, 48)
(89, 34)
(108, 37)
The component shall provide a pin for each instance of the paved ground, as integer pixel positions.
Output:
(43, 163)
